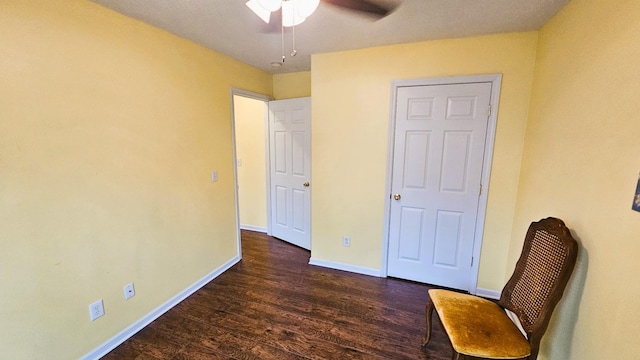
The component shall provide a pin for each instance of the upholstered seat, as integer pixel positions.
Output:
(481, 328)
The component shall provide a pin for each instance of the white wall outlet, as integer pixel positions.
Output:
(214, 176)
(129, 291)
(346, 241)
(96, 310)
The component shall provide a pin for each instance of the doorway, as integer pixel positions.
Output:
(251, 148)
(272, 153)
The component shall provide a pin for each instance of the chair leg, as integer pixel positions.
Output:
(429, 312)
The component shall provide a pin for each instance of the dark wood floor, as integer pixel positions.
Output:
(274, 305)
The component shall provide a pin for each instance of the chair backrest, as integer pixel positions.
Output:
(545, 265)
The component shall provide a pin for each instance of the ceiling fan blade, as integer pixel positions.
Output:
(363, 6)
(274, 25)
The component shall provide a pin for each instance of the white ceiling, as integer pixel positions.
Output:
(230, 27)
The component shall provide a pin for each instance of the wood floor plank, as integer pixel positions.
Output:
(274, 305)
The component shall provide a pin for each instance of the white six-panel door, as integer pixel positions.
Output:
(440, 133)
(290, 168)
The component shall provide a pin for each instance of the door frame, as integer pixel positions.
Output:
(265, 118)
(496, 81)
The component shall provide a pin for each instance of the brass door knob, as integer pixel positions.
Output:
(306, 184)
(397, 196)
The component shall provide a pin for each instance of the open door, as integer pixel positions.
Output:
(290, 170)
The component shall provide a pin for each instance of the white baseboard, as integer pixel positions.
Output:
(345, 267)
(261, 229)
(132, 329)
(486, 293)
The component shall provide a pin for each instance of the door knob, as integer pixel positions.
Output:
(397, 196)
(306, 184)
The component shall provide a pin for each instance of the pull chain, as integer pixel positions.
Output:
(282, 39)
(294, 52)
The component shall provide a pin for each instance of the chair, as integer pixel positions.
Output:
(480, 328)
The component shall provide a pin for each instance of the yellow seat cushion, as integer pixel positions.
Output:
(478, 327)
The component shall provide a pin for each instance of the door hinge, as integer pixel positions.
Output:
(472, 261)
(480, 191)
(489, 111)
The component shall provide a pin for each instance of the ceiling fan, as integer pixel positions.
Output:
(294, 12)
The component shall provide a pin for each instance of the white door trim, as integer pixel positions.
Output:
(495, 80)
(265, 99)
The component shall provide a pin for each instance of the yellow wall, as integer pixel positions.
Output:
(292, 85)
(581, 163)
(250, 151)
(109, 130)
(350, 131)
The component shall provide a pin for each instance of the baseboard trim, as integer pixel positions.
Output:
(486, 293)
(132, 329)
(345, 267)
(261, 229)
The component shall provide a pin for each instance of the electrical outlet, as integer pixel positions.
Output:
(129, 291)
(96, 310)
(214, 176)
(346, 241)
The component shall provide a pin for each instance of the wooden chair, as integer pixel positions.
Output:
(480, 328)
